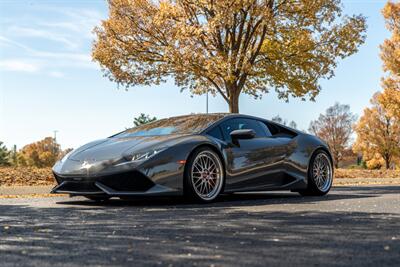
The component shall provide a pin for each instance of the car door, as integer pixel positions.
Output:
(251, 162)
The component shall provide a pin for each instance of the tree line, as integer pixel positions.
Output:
(46, 152)
(43, 153)
(378, 129)
(377, 142)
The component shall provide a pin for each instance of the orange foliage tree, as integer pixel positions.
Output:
(40, 154)
(378, 136)
(227, 47)
(390, 54)
(379, 128)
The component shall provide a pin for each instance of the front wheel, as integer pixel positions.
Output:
(204, 175)
(320, 175)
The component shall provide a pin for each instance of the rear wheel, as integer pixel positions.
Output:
(204, 175)
(320, 175)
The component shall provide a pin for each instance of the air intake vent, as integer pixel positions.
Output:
(133, 181)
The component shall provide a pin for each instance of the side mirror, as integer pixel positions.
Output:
(243, 134)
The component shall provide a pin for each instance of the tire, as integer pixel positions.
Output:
(98, 198)
(204, 177)
(320, 175)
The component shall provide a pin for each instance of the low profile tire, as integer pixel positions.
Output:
(98, 198)
(204, 176)
(320, 175)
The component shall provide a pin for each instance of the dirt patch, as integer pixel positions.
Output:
(365, 181)
(32, 196)
(27, 176)
(356, 173)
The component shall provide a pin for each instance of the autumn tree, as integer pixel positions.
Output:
(390, 55)
(143, 119)
(335, 128)
(40, 154)
(227, 47)
(4, 155)
(378, 130)
(378, 135)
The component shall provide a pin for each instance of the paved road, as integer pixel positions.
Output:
(357, 226)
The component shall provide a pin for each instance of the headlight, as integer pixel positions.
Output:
(147, 154)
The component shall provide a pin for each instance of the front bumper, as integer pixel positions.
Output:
(131, 183)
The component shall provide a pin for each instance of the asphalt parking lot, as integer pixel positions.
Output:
(353, 226)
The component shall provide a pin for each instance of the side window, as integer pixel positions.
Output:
(279, 131)
(265, 128)
(243, 123)
(216, 132)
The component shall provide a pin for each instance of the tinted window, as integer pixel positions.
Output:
(176, 125)
(216, 132)
(266, 129)
(278, 131)
(242, 123)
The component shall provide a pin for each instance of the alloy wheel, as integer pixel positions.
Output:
(322, 172)
(207, 175)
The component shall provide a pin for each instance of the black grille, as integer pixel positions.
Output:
(129, 181)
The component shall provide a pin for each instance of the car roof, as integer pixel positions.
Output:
(225, 116)
(222, 116)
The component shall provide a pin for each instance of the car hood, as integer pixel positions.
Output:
(114, 147)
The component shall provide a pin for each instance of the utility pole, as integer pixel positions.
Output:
(55, 136)
(207, 101)
(55, 142)
(14, 156)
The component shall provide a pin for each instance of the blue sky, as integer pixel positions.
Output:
(48, 81)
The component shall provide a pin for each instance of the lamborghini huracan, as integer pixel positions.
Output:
(199, 156)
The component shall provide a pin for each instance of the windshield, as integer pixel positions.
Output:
(177, 125)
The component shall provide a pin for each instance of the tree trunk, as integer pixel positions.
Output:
(234, 103)
(336, 159)
(387, 162)
(336, 163)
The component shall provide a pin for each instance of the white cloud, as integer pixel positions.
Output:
(18, 65)
(70, 28)
(79, 57)
(64, 59)
(9, 42)
(40, 33)
(73, 21)
(65, 25)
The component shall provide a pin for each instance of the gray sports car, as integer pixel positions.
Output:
(199, 156)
